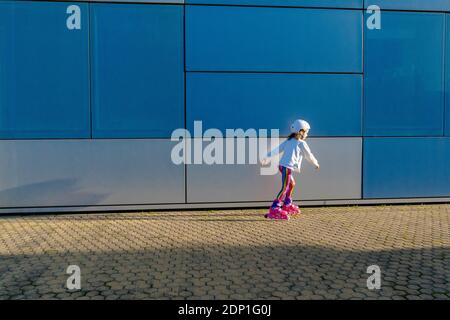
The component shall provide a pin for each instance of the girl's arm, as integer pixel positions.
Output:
(277, 150)
(273, 153)
(308, 154)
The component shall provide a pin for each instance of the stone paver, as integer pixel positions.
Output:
(227, 254)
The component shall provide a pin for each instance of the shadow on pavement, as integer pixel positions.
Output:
(229, 272)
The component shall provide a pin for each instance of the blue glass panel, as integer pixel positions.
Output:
(138, 80)
(44, 71)
(406, 167)
(447, 90)
(332, 103)
(273, 39)
(404, 92)
(433, 5)
(300, 3)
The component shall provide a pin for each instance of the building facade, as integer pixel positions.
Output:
(91, 92)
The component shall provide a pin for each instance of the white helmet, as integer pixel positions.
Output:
(300, 125)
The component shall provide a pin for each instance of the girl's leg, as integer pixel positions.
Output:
(289, 191)
(286, 175)
(276, 211)
(288, 206)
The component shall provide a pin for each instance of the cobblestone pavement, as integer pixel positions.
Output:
(229, 254)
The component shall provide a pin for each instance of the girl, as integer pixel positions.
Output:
(293, 149)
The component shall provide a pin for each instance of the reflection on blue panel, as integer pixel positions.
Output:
(331, 103)
(301, 3)
(404, 76)
(137, 70)
(406, 167)
(44, 82)
(273, 39)
(434, 5)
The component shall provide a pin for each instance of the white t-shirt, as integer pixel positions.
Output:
(293, 152)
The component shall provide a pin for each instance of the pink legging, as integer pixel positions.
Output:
(287, 184)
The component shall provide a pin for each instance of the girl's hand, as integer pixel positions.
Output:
(317, 167)
(265, 161)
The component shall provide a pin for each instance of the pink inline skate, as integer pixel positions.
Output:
(276, 213)
(291, 209)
